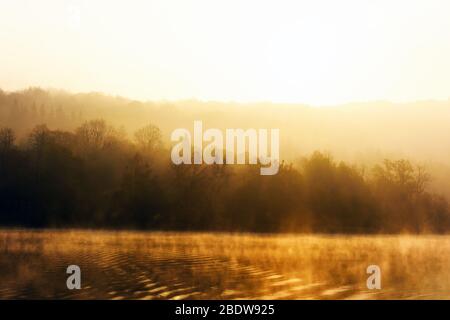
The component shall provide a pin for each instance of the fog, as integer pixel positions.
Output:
(363, 133)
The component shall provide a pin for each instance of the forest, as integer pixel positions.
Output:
(96, 177)
(96, 161)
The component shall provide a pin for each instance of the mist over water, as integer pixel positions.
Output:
(158, 265)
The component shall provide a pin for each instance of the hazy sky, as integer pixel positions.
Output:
(317, 52)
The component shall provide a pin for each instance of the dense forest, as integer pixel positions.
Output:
(95, 176)
(117, 173)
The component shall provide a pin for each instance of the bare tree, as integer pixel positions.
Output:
(7, 138)
(148, 137)
(97, 134)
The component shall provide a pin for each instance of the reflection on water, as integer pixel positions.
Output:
(156, 265)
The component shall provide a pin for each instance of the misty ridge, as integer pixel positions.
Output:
(91, 160)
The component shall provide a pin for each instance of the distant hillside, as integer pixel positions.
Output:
(360, 132)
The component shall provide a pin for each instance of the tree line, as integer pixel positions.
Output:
(96, 177)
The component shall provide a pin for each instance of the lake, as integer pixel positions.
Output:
(163, 265)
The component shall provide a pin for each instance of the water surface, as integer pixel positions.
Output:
(158, 265)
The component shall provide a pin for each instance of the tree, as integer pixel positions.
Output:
(400, 189)
(139, 201)
(96, 134)
(7, 138)
(401, 177)
(148, 138)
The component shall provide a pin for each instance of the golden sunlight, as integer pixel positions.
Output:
(315, 52)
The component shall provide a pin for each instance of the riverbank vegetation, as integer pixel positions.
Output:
(96, 177)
